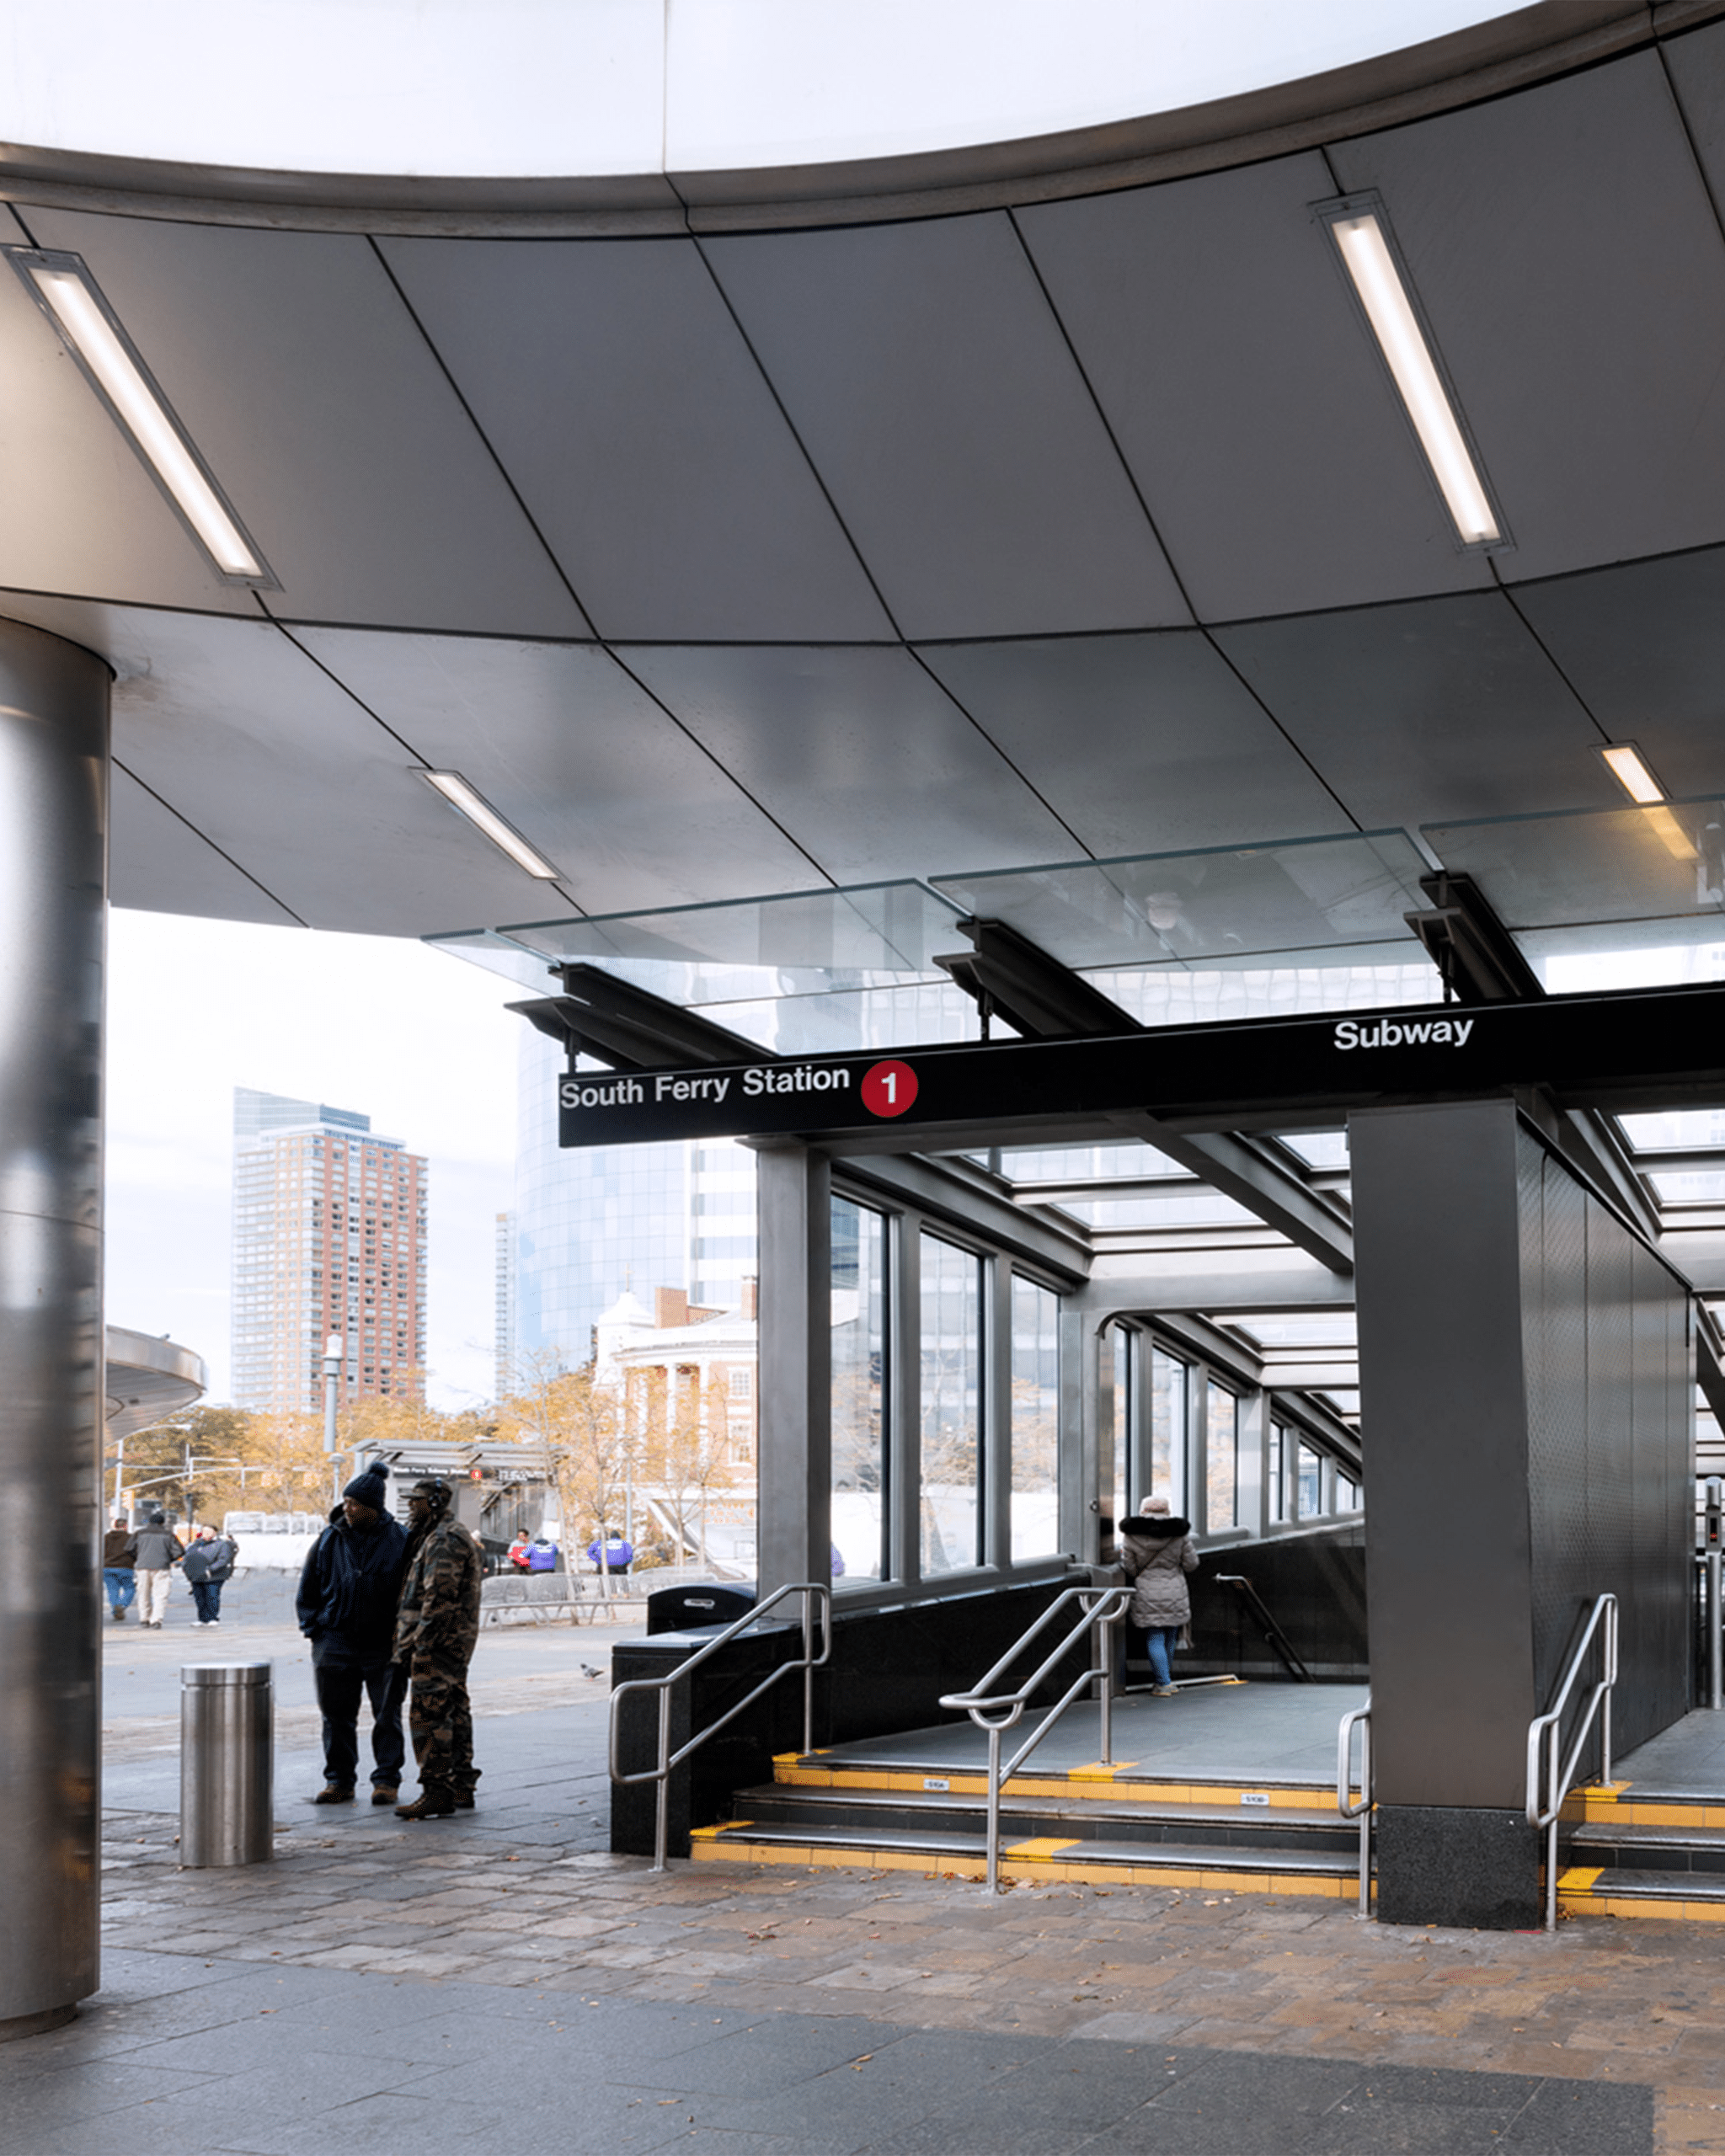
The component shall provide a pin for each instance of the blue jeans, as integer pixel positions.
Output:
(1159, 1640)
(121, 1583)
(207, 1595)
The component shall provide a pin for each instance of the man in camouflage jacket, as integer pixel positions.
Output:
(436, 1633)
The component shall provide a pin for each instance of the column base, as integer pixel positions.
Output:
(37, 2025)
(1455, 1864)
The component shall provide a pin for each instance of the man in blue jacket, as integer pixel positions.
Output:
(346, 1605)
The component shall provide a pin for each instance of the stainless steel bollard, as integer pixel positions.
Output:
(227, 1764)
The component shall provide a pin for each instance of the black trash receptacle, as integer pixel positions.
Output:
(681, 1609)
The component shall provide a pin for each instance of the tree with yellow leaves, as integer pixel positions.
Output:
(581, 1424)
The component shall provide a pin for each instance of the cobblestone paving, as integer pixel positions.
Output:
(1603, 2001)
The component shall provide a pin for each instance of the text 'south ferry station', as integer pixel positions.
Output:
(1642, 1046)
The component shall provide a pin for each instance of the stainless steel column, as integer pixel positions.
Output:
(53, 894)
(795, 1385)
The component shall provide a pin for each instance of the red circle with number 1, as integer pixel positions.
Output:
(889, 1088)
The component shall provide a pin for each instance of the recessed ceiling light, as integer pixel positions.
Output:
(1362, 236)
(67, 293)
(1629, 768)
(479, 812)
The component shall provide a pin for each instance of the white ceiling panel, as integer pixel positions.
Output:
(157, 861)
(580, 758)
(1571, 264)
(612, 379)
(931, 384)
(1446, 701)
(1212, 320)
(301, 375)
(1142, 743)
(862, 758)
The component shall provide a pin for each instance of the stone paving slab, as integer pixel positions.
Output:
(1606, 2034)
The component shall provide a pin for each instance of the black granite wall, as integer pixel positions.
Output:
(1313, 1582)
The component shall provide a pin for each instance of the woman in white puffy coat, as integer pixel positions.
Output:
(1157, 1553)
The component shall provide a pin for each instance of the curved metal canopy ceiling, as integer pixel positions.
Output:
(727, 566)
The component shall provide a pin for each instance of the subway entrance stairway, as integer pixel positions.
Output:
(1227, 1788)
(1230, 1787)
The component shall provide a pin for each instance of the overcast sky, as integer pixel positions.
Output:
(417, 1040)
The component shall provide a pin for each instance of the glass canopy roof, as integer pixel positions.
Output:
(1216, 933)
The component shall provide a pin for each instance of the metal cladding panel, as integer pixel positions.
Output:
(863, 760)
(1570, 264)
(158, 862)
(1644, 644)
(579, 758)
(931, 386)
(1291, 478)
(1610, 1470)
(1438, 1245)
(1560, 1437)
(302, 376)
(252, 743)
(612, 379)
(1176, 751)
(79, 511)
(1442, 700)
(1663, 1497)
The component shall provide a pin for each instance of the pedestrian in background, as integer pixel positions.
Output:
(434, 1638)
(348, 1589)
(208, 1567)
(517, 1553)
(119, 1555)
(1156, 1552)
(159, 1549)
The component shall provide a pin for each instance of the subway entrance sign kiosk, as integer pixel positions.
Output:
(1645, 1049)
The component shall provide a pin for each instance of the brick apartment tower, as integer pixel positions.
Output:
(328, 1236)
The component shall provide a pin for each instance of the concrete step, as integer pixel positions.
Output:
(1125, 1781)
(1647, 1848)
(1080, 1817)
(1624, 1891)
(1206, 1867)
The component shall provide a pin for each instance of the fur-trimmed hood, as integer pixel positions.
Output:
(1157, 1526)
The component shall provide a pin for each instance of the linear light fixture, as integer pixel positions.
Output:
(479, 812)
(62, 287)
(1629, 768)
(1361, 232)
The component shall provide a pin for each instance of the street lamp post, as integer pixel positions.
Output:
(332, 1348)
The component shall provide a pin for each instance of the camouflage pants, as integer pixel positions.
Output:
(441, 1723)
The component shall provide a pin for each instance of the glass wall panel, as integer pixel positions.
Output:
(859, 1420)
(1222, 1460)
(1311, 1482)
(1347, 1494)
(1169, 1378)
(1036, 1414)
(952, 1408)
(1276, 1473)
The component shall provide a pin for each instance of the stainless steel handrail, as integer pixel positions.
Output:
(1548, 1781)
(815, 1593)
(1107, 1606)
(1346, 1804)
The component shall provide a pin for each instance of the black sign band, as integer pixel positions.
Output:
(1580, 1045)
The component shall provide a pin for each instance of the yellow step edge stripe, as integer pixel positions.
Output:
(1579, 1879)
(1217, 1794)
(1038, 1845)
(1032, 1869)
